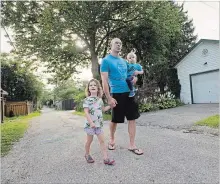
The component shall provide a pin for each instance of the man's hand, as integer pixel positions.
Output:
(112, 102)
(134, 80)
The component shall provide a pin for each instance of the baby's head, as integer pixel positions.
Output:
(131, 57)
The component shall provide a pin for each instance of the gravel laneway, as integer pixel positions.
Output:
(53, 148)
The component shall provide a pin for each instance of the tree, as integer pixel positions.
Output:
(46, 96)
(18, 80)
(51, 30)
(66, 90)
(161, 40)
(48, 29)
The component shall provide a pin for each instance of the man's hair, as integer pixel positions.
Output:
(113, 41)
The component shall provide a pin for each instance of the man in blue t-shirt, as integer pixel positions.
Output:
(114, 73)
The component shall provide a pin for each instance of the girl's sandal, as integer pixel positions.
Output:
(109, 162)
(89, 159)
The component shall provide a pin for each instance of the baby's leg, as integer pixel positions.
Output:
(128, 80)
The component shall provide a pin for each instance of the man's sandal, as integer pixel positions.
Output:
(109, 162)
(89, 159)
(111, 146)
(136, 151)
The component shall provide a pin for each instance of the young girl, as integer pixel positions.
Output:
(93, 107)
(134, 69)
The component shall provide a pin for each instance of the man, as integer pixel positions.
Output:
(114, 71)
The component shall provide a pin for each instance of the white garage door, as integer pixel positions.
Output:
(206, 87)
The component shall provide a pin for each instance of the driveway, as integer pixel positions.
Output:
(52, 151)
(178, 118)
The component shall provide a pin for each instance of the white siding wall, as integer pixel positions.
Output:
(194, 63)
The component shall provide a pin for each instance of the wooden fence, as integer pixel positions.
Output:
(18, 108)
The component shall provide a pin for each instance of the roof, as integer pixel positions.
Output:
(194, 46)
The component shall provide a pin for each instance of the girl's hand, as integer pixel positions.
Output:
(92, 125)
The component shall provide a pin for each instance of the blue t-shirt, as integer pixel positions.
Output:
(133, 67)
(117, 73)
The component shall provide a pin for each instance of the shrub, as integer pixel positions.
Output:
(160, 101)
(146, 107)
(78, 98)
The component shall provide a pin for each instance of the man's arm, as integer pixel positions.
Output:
(111, 101)
(104, 76)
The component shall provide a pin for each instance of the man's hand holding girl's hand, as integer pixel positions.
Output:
(112, 102)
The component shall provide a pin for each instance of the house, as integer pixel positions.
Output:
(198, 73)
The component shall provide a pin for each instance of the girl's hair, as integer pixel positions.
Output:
(99, 93)
(132, 53)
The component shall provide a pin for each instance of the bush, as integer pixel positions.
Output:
(79, 101)
(166, 101)
(148, 107)
(161, 101)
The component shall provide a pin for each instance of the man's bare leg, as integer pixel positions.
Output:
(112, 127)
(132, 133)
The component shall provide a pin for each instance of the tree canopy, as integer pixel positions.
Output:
(18, 80)
(52, 31)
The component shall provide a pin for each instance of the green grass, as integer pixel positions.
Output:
(13, 129)
(79, 113)
(105, 116)
(212, 121)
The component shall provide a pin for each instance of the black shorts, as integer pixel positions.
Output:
(126, 107)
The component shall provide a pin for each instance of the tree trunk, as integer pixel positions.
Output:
(161, 86)
(95, 66)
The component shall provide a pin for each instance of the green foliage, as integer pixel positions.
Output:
(162, 38)
(18, 80)
(46, 96)
(65, 90)
(161, 101)
(166, 101)
(68, 90)
(173, 82)
(146, 107)
(78, 98)
(50, 30)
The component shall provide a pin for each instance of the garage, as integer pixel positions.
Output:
(205, 87)
(198, 73)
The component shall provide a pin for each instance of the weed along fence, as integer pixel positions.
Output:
(18, 108)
